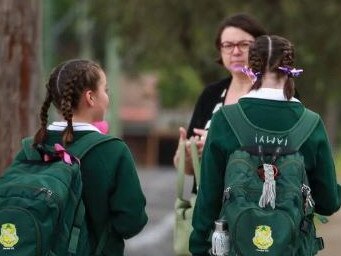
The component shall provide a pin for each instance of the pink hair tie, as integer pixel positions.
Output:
(61, 152)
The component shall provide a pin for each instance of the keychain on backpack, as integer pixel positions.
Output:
(268, 172)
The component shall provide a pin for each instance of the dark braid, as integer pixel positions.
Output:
(282, 54)
(256, 61)
(41, 134)
(66, 108)
(288, 61)
(66, 84)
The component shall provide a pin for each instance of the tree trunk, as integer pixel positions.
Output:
(19, 73)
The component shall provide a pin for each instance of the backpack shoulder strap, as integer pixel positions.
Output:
(303, 128)
(245, 131)
(240, 125)
(30, 152)
(87, 142)
(79, 148)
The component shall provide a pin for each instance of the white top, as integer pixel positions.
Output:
(268, 94)
(261, 93)
(77, 126)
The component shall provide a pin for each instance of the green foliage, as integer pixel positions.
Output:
(158, 34)
(179, 87)
(167, 34)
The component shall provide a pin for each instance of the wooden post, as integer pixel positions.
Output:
(20, 73)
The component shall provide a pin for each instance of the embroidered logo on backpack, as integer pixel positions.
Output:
(8, 236)
(263, 239)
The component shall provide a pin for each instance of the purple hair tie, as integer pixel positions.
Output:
(253, 76)
(291, 72)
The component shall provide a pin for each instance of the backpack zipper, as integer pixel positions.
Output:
(50, 195)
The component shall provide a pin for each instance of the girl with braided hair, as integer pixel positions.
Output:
(271, 106)
(112, 193)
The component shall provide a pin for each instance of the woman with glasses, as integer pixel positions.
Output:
(235, 35)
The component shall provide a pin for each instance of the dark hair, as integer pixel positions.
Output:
(242, 21)
(65, 85)
(268, 53)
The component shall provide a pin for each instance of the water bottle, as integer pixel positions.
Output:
(220, 239)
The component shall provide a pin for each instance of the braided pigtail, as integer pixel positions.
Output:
(66, 109)
(256, 62)
(257, 67)
(288, 61)
(41, 134)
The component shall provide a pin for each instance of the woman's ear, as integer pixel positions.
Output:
(89, 98)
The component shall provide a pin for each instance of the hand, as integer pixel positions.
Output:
(183, 134)
(201, 133)
(200, 138)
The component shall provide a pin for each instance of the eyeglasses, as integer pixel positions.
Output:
(228, 47)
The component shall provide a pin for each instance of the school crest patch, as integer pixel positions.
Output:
(8, 236)
(263, 237)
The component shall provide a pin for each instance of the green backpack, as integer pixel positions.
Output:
(41, 207)
(267, 201)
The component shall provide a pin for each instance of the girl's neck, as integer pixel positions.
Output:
(270, 80)
(81, 119)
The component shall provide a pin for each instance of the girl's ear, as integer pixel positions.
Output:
(89, 98)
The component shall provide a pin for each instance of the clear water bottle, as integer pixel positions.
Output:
(220, 239)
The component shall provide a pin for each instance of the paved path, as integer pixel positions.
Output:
(157, 237)
(331, 233)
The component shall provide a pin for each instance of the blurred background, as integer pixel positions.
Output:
(158, 55)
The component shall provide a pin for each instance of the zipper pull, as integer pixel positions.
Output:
(309, 201)
(46, 191)
(227, 194)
